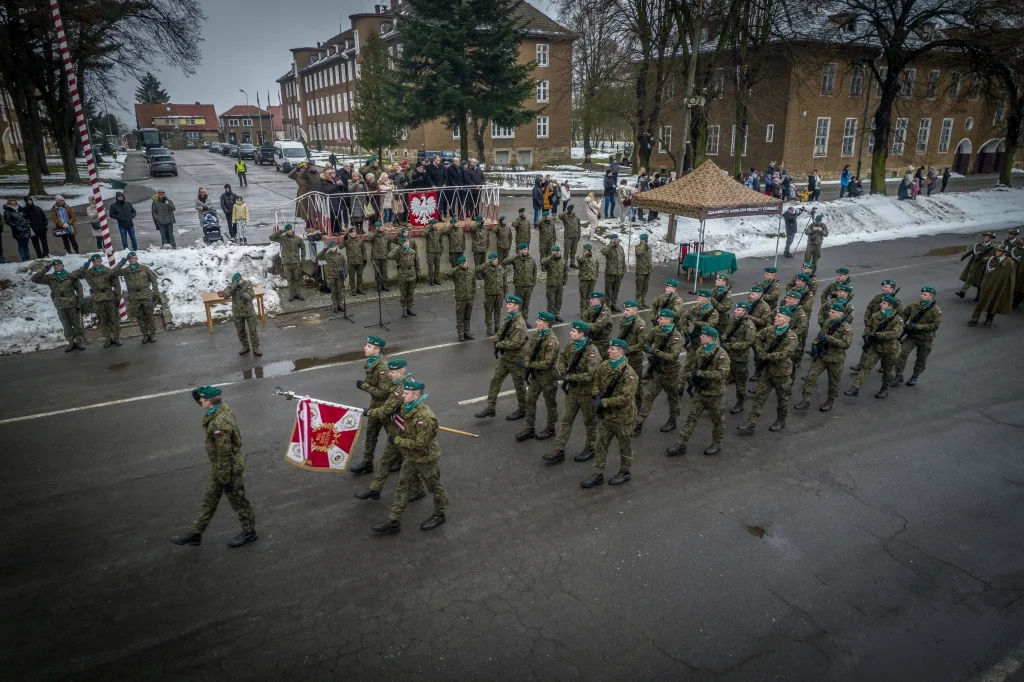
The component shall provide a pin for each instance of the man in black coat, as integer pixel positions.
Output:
(227, 204)
(344, 178)
(39, 222)
(473, 174)
(456, 197)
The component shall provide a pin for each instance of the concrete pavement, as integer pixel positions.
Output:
(880, 541)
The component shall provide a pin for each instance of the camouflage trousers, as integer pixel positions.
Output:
(637, 363)
(463, 313)
(570, 248)
(739, 370)
(554, 295)
(715, 405)
(812, 253)
(107, 319)
(623, 435)
(406, 293)
(373, 427)
(547, 385)
(502, 370)
(870, 358)
(575, 402)
(454, 256)
(71, 321)
(642, 282)
(611, 289)
(234, 489)
(493, 309)
(524, 293)
(924, 349)
(387, 460)
(661, 381)
(253, 339)
(479, 258)
(142, 311)
(337, 285)
(433, 266)
(503, 254)
(835, 375)
(413, 476)
(766, 383)
(586, 286)
(355, 277)
(293, 273)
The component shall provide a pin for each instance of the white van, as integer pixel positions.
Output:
(288, 154)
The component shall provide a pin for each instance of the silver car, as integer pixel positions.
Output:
(162, 164)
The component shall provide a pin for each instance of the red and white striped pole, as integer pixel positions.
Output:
(83, 132)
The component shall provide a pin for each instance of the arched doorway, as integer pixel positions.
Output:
(990, 156)
(962, 158)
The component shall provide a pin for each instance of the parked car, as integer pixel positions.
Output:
(215, 147)
(226, 149)
(246, 151)
(233, 151)
(156, 151)
(162, 164)
(264, 154)
(426, 156)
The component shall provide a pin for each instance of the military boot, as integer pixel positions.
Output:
(388, 526)
(486, 412)
(898, 379)
(469, 337)
(620, 478)
(433, 522)
(853, 392)
(411, 313)
(526, 434)
(713, 449)
(368, 494)
(80, 345)
(70, 347)
(462, 337)
(670, 425)
(556, 456)
(116, 342)
(749, 427)
(193, 539)
(882, 392)
(826, 406)
(803, 405)
(490, 331)
(961, 294)
(777, 425)
(518, 414)
(592, 480)
(364, 467)
(108, 343)
(548, 432)
(737, 408)
(912, 381)
(418, 495)
(676, 450)
(585, 455)
(988, 318)
(243, 538)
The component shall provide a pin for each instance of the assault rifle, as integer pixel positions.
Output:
(691, 337)
(533, 358)
(913, 323)
(696, 383)
(608, 392)
(504, 332)
(820, 344)
(652, 360)
(759, 361)
(871, 338)
(573, 367)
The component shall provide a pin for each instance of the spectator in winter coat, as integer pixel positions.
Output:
(932, 178)
(844, 180)
(21, 230)
(473, 175)
(123, 212)
(787, 186)
(163, 217)
(903, 193)
(814, 185)
(945, 179)
(538, 198)
(609, 194)
(456, 197)
(789, 217)
(240, 218)
(593, 213)
(204, 205)
(227, 205)
(919, 176)
(387, 199)
(419, 179)
(94, 223)
(625, 197)
(435, 172)
(332, 187)
(856, 189)
(37, 220)
(643, 183)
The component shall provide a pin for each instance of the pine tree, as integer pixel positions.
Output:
(150, 91)
(378, 113)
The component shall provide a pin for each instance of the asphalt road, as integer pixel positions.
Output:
(878, 542)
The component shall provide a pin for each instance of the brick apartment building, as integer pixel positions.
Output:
(247, 123)
(180, 124)
(318, 93)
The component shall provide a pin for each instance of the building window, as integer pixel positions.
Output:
(668, 91)
(849, 136)
(247, 122)
(871, 136)
(456, 133)
(882, 74)
(933, 85)
(857, 81)
(192, 135)
(975, 87)
(664, 139)
(232, 122)
(828, 80)
(542, 54)
(969, 124)
(542, 126)
(769, 135)
(391, 58)
(954, 84)
(359, 71)
(499, 132)
(718, 85)
(714, 132)
(330, 76)
(542, 92)
(908, 83)
(350, 69)
(821, 136)
(732, 144)
(1000, 112)
(344, 100)
(923, 131)
(337, 74)
(355, 39)
(347, 131)
(899, 138)
(190, 121)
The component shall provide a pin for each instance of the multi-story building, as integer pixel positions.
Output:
(318, 93)
(247, 123)
(180, 124)
(276, 121)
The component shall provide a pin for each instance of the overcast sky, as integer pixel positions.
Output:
(246, 46)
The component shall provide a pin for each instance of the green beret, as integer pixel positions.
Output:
(96, 256)
(492, 256)
(845, 287)
(371, 159)
(771, 269)
(792, 293)
(613, 236)
(672, 282)
(288, 227)
(581, 326)
(397, 363)
(132, 254)
(431, 222)
(928, 290)
(704, 293)
(744, 305)
(758, 288)
(838, 306)
(378, 224)
(709, 331)
(413, 385)
(460, 260)
(803, 277)
(810, 266)
(514, 299)
(522, 210)
(667, 312)
(619, 343)
(478, 219)
(235, 277)
(596, 294)
(722, 276)
(376, 341)
(522, 245)
(889, 282)
(891, 300)
(546, 316)
(587, 247)
(556, 247)
(501, 219)
(643, 237)
(206, 392)
(545, 212)
(818, 218)
(630, 304)
(332, 243)
(453, 221)
(57, 261)
(843, 271)
(783, 310)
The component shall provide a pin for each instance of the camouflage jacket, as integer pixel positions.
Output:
(292, 247)
(874, 305)
(673, 303)
(799, 323)
(761, 315)
(523, 232)
(380, 244)
(65, 292)
(619, 405)
(816, 237)
(557, 268)
(570, 225)
(589, 267)
(772, 292)
(836, 343)
(546, 230)
(600, 320)
(925, 326)
(432, 236)
(722, 303)
(223, 443)
(633, 332)
(479, 232)
(142, 282)
(778, 353)
(354, 251)
(418, 439)
(335, 264)
(812, 286)
(823, 313)
(104, 285)
(386, 412)
(408, 264)
(512, 337)
(713, 368)
(242, 295)
(614, 260)
(456, 239)
(738, 338)
(665, 352)
(828, 294)
(524, 270)
(887, 340)
(465, 282)
(503, 235)
(377, 382)
(642, 253)
(494, 278)
(581, 379)
(546, 361)
(695, 318)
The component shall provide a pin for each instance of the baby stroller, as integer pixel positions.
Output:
(211, 228)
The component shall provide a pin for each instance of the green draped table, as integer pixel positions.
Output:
(711, 262)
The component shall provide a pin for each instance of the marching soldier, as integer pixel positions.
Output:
(634, 333)
(570, 233)
(378, 384)
(67, 296)
(874, 305)
(698, 316)
(737, 341)
(589, 270)
(465, 292)
(1013, 238)
(599, 320)
(355, 254)
(799, 324)
(802, 283)
(670, 299)
(921, 322)
(881, 342)
(524, 275)
(540, 365)
(707, 375)
(774, 347)
(417, 445)
(975, 268)
(816, 233)
(843, 294)
(828, 352)
(828, 295)
(143, 293)
(664, 344)
(614, 270)
(503, 235)
(557, 272)
(227, 464)
(770, 287)
(243, 314)
(615, 385)
(432, 237)
(456, 241)
(494, 276)
(408, 272)
(721, 299)
(577, 363)
(479, 240)
(509, 347)
(390, 416)
(546, 233)
(380, 250)
(291, 259)
(523, 229)
(998, 283)
(760, 312)
(334, 273)
(105, 287)
(642, 261)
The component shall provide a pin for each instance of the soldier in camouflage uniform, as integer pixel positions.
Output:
(642, 258)
(670, 299)
(432, 236)
(509, 347)
(540, 364)
(737, 340)
(334, 273)
(721, 299)
(227, 464)
(874, 305)
(698, 316)
(816, 233)
(408, 272)
(380, 249)
(390, 416)
(557, 272)
(378, 384)
(570, 233)
(355, 254)
(66, 294)
(465, 292)
(615, 385)
(842, 295)
(828, 294)
(143, 293)
(577, 362)
(770, 287)
(799, 324)
(599, 319)
(494, 276)
(614, 270)
(760, 312)
(774, 347)
(708, 375)
(831, 343)
(243, 314)
(523, 228)
(664, 344)
(417, 444)
(546, 233)
(479, 247)
(524, 275)
(589, 270)
(105, 287)
(810, 280)
(881, 343)
(921, 322)
(456, 241)
(292, 248)
(633, 331)
(503, 238)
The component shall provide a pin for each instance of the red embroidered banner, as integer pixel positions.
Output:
(422, 207)
(324, 435)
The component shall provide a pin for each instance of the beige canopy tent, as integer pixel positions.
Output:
(709, 193)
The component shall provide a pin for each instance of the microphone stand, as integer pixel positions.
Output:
(380, 304)
(344, 306)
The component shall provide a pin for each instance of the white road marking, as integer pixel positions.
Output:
(1005, 667)
(483, 398)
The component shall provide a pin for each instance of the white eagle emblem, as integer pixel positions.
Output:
(423, 207)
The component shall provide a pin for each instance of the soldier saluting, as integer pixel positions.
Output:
(143, 292)
(66, 294)
(105, 287)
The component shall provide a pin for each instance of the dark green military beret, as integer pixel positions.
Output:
(744, 305)
(460, 260)
(581, 326)
(843, 271)
(928, 290)
(630, 304)
(514, 299)
(667, 312)
(413, 385)
(838, 306)
(596, 294)
(546, 316)
(397, 363)
(492, 256)
(709, 331)
(889, 282)
(793, 294)
(771, 269)
(376, 341)
(672, 282)
(845, 287)
(891, 300)
(783, 310)
(522, 245)
(619, 343)
(643, 237)
(703, 293)
(757, 288)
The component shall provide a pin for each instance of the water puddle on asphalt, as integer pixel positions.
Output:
(946, 251)
(274, 369)
(756, 531)
(119, 365)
